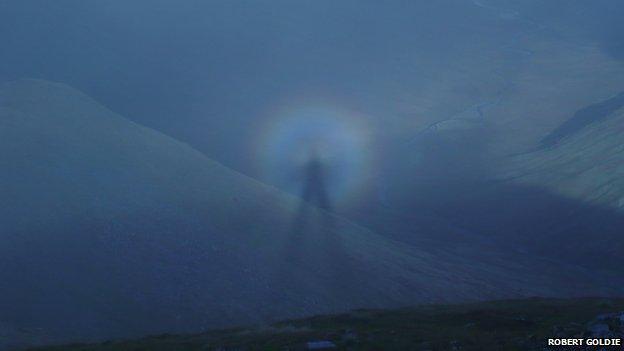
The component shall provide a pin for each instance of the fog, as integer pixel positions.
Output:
(211, 73)
(451, 126)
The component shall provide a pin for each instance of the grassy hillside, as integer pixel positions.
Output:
(497, 325)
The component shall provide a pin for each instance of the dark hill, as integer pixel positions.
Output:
(498, 325)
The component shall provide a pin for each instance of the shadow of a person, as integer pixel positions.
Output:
(314, 186)
(314, 193)
(313, 243)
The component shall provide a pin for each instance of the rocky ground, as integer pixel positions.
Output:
(499, 325)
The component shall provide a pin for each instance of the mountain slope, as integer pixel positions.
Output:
(123, 231)
(588, 164)
(563, 201)
(585, 168)
(483, 159)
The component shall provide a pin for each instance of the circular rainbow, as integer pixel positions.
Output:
(336, 137)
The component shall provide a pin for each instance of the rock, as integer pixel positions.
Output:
(599, 330)
(607, 316)
(455, 345)
(350, 336)
(320, 345)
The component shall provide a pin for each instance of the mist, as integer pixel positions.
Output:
(437, 132)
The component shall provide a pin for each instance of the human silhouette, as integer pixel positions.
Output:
(313, 194)
(314, 187)
(315, 240)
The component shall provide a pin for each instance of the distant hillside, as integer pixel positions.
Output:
(583, 118)
(564, 201)
(586, 164)
(586, 170)
(514, 137)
